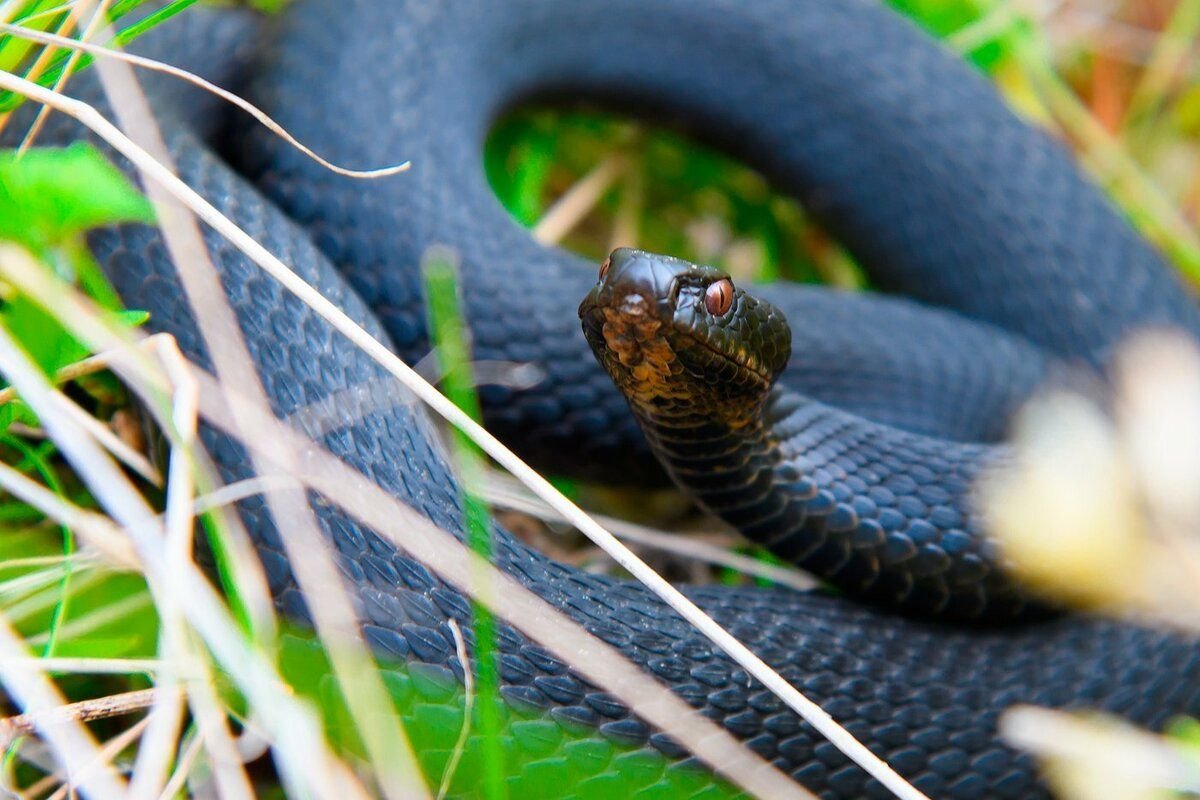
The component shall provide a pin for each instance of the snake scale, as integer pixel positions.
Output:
(900, 149)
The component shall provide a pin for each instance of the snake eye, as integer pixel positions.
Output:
(718, 297)
(604, 267)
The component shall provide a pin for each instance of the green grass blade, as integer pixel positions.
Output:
(453, 353)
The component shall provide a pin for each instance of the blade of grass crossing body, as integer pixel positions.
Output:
(448, 333)
(216, 537)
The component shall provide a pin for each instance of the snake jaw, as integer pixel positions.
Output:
(625, 331)
(635, 339)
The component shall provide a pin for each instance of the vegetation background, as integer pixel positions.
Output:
(1116, 79)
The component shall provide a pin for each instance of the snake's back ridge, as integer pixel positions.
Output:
(904, 152)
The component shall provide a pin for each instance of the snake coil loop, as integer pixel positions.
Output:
(907, 156)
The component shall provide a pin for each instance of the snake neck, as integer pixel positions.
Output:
(830, 493)
(727, 464)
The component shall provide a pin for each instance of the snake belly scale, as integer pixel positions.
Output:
(906, 154)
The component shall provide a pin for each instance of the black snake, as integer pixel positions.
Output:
(905, 154)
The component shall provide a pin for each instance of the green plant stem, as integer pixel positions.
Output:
(1171, 50)
(41, 464)
(448, 332)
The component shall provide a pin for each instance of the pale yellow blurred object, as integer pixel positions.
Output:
(1104, 512)
(1098, 757)
(1101, 512)
(1064, 510)
(1157, 377)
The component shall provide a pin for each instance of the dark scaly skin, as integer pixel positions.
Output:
(922, 695)
(871, 124)
(883, 514)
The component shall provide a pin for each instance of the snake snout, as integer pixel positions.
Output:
(634, 287)
(651, 278)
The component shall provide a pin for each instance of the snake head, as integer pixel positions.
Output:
(680, 339)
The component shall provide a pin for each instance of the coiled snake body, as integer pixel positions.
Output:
(904, 153)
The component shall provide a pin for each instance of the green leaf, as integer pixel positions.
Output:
(88, 274)
(48, 196)
(945, 17)
(17, 411)
(132, 317)
(115, 646)
(1185, 730)
(41, 335)
(15, 50)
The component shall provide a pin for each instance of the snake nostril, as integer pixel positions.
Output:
(634, 305)
(604, 267)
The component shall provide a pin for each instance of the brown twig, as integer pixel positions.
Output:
(114, 705)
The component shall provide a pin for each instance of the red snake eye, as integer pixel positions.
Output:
(604, 267)
(718, 297)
